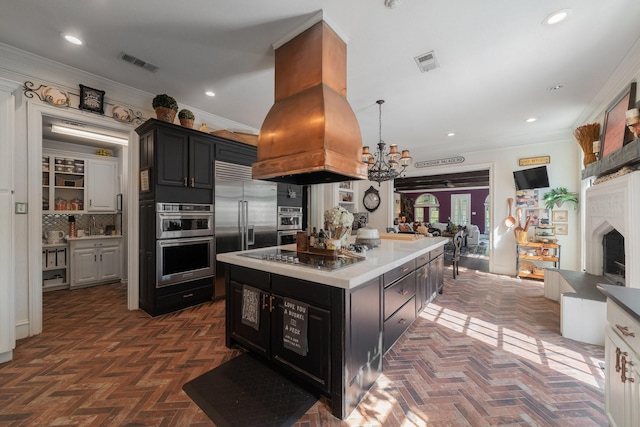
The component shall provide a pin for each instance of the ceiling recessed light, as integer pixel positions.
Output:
(556, 17)
(210, 93)
(556, 87)
(450, 134)
(72, 39)
(531, 120)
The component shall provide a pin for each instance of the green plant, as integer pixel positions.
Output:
(186, 114)
(558, 196)
(164, 100)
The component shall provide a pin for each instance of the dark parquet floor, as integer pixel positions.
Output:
(486, 353)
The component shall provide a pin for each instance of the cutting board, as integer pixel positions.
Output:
(401, 236)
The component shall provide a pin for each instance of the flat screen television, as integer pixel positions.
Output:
(531, 178)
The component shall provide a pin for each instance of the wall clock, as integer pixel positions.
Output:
(371, 199)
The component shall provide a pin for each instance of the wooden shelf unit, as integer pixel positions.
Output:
(553, 256)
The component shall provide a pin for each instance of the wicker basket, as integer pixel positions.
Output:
(165, 114)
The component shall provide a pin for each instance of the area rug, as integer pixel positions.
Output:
(477, 251)
(247, 392)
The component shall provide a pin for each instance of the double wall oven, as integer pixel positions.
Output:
(289, 223)
(185, 243)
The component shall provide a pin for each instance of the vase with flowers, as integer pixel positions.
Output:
(338, 222)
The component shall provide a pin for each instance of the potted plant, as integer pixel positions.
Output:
(165, 106)
(558, 196)
(186, 118)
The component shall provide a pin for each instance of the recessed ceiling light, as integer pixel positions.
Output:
(72, 39)
(556, 87)
(556, 17)
(210, 93)
(531, 120)
(450, 134)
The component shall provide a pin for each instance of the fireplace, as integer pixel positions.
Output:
(612, 229)
(613, 263)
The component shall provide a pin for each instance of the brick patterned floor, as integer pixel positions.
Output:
(487, 352)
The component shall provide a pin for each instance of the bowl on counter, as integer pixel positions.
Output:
(368, 236)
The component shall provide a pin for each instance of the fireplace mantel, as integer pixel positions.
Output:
(625, 156)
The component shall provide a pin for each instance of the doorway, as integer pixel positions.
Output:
(39, 117)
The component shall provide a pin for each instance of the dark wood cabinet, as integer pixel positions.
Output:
(179, 165)
(233, 152)
(267, 340)
(179, 162)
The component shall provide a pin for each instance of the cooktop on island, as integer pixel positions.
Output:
(304, 259)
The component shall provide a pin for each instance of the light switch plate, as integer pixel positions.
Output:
(21, 208)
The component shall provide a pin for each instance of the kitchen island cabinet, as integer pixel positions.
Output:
(352, 315)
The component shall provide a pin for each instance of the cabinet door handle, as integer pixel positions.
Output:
(184, 181)
(623, 376)
(264, 301)
(271, 298)
(193, 182)
(90, 202)
(618, 352)
(95, 258)
(100, 257)
(625, 331)
(187, 295)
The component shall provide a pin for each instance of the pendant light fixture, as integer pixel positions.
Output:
(385, 166)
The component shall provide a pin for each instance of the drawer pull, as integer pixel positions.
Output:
(403, 292)
(405, 269)
(625, 331)
(187, 295)
(402, 321)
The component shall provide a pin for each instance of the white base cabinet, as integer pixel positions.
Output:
(95, 261)
(622, 364)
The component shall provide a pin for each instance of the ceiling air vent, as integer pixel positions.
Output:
(427, 61)
(138, 62)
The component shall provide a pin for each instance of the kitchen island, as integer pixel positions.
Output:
(331, 328)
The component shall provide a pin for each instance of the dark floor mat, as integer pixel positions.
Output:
(247, 392)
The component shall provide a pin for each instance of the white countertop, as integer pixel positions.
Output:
(94, 237)
(390, 254)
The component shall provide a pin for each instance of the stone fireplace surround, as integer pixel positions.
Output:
(614, 204)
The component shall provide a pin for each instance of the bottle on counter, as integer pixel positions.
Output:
(321, 238)
(72, 226)
(313, 239)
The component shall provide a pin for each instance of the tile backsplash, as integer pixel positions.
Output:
(51, 222)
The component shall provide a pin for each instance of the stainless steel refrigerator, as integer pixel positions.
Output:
(245, 213)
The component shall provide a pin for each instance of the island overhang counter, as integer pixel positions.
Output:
(330, 329)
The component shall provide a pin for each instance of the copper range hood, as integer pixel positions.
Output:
(311, 134)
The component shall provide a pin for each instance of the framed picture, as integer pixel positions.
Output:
(145, 180)
(538, 217)
(615, 132)
(562, 229)
(346, 185)
(91, 99)
(527, 199)
(559, 216)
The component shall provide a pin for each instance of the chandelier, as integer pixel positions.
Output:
(385, 166)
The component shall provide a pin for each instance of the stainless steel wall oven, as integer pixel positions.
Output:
(183, 220)
(289, 218)
(287, 237)
(185, 243)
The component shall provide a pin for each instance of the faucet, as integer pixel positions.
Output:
(92, 225)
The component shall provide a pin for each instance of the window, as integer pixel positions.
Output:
(430, 203)
(460, 208)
